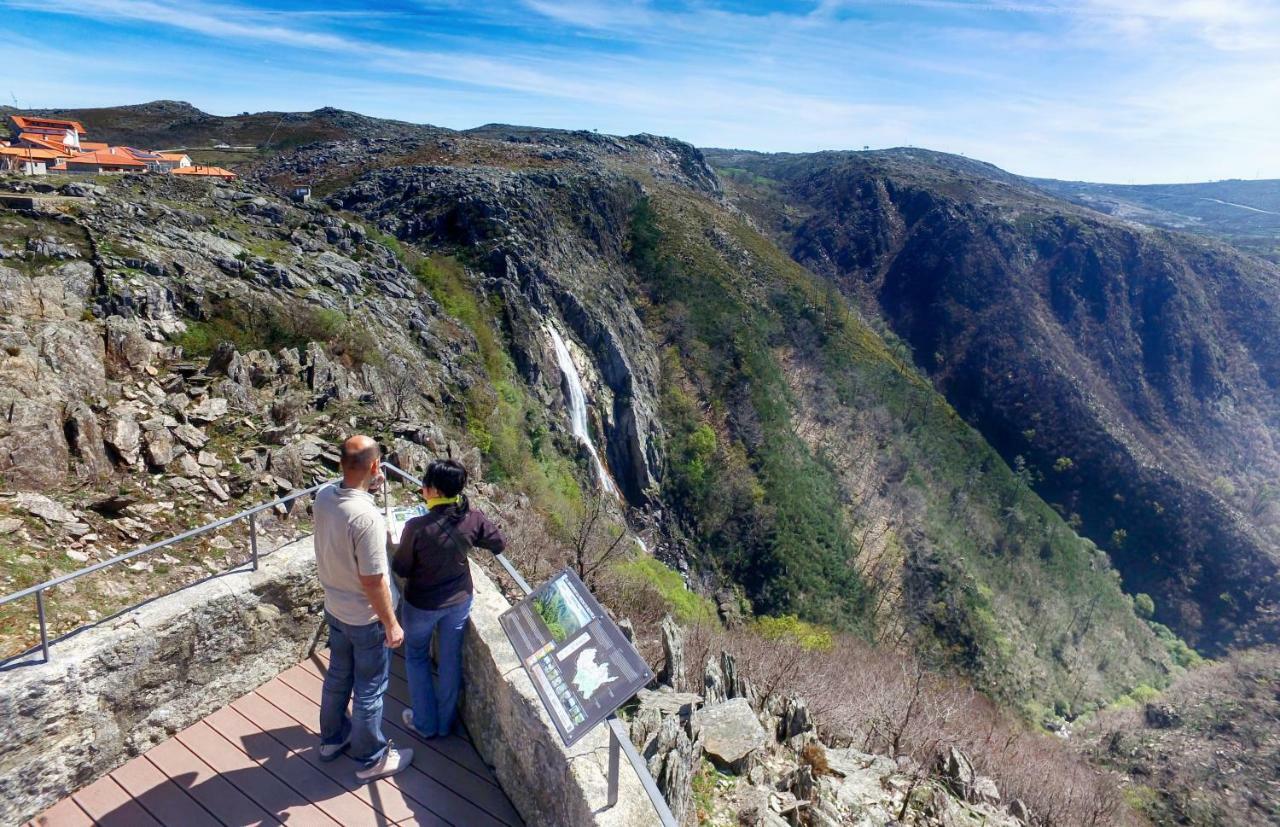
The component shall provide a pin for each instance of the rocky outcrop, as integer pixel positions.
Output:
(114, 690)
(730, 733)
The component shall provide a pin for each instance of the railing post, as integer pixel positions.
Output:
(615, 756)
(253, 540)
(44, 629)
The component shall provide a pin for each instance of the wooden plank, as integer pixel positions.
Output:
(457, 749)
(478, 788)
(228, 804)
(66, 813)
(384, 795)
(109, 805)
(272, 794)
(416, 783)
(168, 802)
(301, 742)
(293, 769)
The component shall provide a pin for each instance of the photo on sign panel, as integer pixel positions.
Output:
(561, 611)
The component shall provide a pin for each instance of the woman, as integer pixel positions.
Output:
(432, 557)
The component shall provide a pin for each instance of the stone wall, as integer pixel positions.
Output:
(548, 782)
(114, 690)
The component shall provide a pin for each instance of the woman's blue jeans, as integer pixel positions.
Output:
(359, 662)
(435, 701)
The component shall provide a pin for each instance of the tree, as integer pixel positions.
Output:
(594, 539)
(1144, 606)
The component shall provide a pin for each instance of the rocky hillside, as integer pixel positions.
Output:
(1207, 750)
(1245, 213)
(1130, 375)
(786, 451)
(164, 124)
(777, 448)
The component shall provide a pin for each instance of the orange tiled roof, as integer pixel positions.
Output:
(200, 169)
(32, 153)
(45, 143)
(105, 158)
(25, 122)
(173, 156)
(93, 146)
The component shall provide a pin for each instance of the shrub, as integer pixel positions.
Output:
(265, 325)
(1144, 606)
(687, 606)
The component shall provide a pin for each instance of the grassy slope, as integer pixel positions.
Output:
(999, 585)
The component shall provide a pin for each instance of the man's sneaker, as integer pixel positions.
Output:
(406, 718)
(392, 761)
(328, 752)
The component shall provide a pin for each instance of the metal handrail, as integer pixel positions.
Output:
(619, 739)
(40, 588)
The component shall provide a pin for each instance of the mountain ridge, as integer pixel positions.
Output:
(1023, 307)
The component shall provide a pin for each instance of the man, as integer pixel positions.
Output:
(351, 561)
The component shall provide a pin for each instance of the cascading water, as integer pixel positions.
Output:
(578, 406)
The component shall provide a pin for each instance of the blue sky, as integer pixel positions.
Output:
(1113, 90)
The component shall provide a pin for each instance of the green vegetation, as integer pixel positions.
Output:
(1181, 654)
(763, 499)
(1001, 587)
(268, 326)
(687, 606)
(793, 630)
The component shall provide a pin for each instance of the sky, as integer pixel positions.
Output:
(1124, 91)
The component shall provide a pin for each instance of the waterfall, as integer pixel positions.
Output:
(578, 406)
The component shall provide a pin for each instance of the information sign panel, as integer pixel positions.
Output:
(581, 664)
(401, 514)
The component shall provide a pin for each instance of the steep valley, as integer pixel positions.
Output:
(1128, 374)
(896, 400)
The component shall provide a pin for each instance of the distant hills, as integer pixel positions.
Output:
(169, 124)
(1245, 213)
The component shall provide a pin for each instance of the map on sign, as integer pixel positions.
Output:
(581, 664)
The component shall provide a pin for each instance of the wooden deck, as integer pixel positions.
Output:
(256, 762)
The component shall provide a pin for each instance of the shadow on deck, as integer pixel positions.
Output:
(256, 762)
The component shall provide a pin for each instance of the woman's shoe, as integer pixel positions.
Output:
(406, 718)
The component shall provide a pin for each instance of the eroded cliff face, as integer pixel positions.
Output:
(782, 447)
(1130, 374)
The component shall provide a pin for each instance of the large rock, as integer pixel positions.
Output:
(127, 346)
(673, 651)
(123, 435)
(33, 445)
(713, 687)
(730, 733)
(795, 720)
(209, 409)
(159, 446)
(46, 509)
(672, 758)
(85, 439)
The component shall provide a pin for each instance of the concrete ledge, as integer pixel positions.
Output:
(548, 782)
(114, 690)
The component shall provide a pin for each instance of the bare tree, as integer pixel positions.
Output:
(595, 540)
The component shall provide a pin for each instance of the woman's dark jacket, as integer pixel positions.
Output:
(432, 555)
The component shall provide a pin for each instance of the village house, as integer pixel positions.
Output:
(39, 146)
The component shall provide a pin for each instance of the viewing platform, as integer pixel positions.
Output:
(256, 762)
(201, 707)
